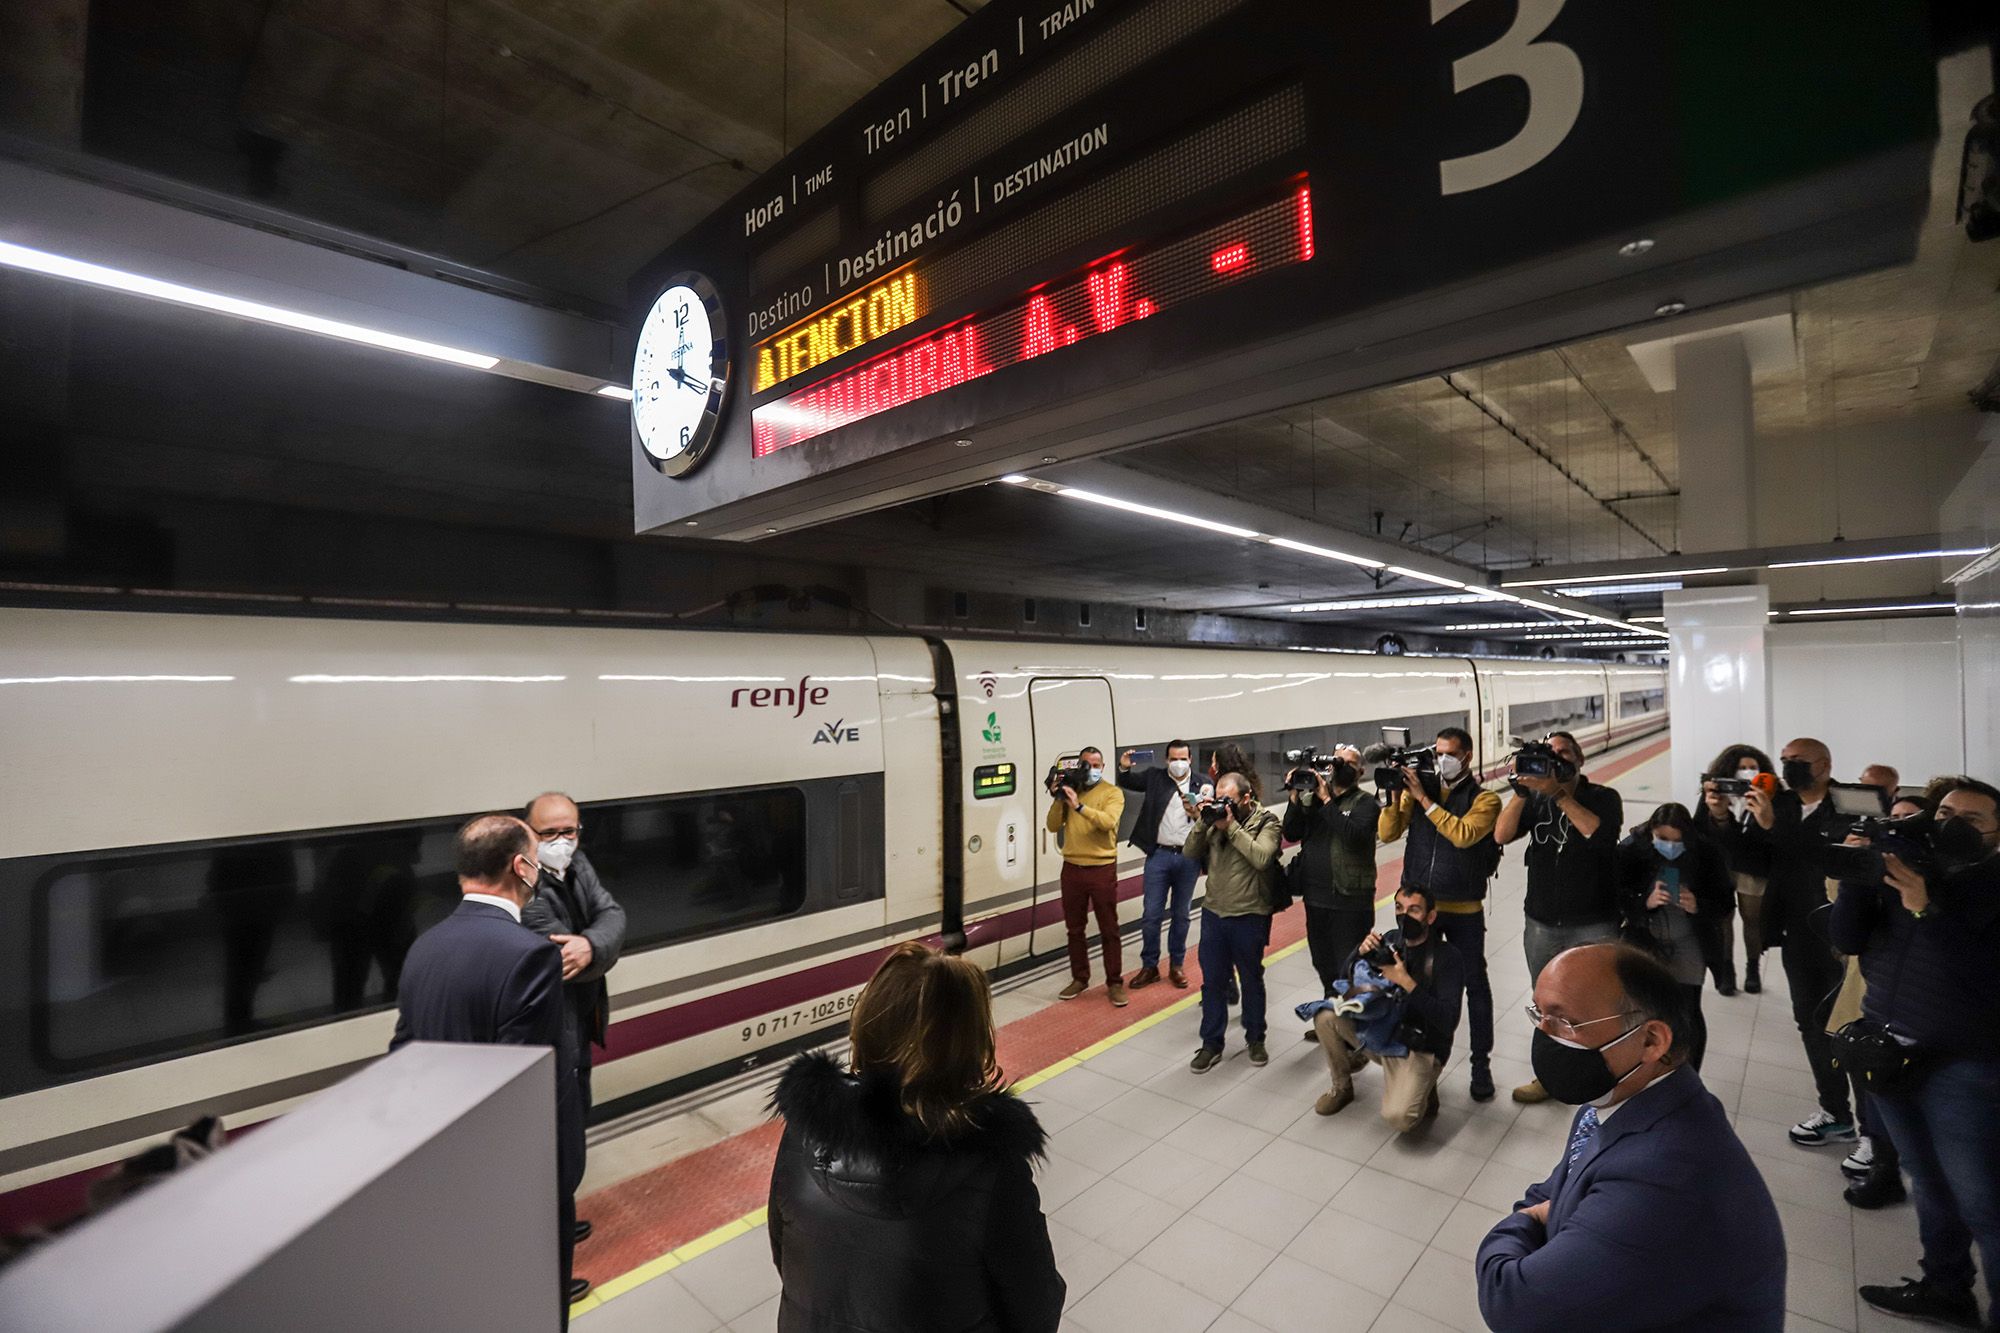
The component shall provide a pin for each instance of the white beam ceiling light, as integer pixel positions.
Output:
(98, 275)
(1876, 559)
(1149, 511)
(1383, 603)
(1612, 578)
(1618, 589)
(617, 391)
(1870, 610)
(1573, 584)
(1988, 561)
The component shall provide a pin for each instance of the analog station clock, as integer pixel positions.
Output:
(680, 374)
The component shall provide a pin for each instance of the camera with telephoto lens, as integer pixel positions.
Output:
(1909, 840)
(1073, 775)
(1539, 759)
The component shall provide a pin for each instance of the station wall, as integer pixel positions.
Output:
(1876, 691)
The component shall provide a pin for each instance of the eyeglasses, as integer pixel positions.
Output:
(551, 834)
(1562, 1027)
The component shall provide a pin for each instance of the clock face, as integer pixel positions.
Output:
(680, 374)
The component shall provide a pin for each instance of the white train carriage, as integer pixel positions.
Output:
(230, 828)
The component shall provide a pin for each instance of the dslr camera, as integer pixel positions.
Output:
(1380, 956)
(1538, 759)
(1213, 811)
(1072, 773)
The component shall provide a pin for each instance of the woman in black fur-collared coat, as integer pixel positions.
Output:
(903, 1199)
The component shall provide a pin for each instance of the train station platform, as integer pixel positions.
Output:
(1221, 1201)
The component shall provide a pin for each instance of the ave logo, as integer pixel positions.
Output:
(836, 732)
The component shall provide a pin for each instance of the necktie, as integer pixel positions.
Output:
(1583, 1136)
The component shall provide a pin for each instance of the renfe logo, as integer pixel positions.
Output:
(794, 697)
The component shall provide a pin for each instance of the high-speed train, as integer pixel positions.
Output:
(225, 831)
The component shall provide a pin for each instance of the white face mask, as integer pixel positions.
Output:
(1177, 769)
(1450, 767)
(556, 855)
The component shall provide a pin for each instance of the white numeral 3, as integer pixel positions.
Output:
(1555, 94)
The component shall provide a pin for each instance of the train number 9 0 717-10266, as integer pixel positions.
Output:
(804, 1016)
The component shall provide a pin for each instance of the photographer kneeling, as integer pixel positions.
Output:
(1928, 1044)
(1333, 874)
(1430, 976)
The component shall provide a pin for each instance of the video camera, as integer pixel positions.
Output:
(1539, 759)
(1390, 763)
(1071, 773)
(1909, 840)
(1305, 763)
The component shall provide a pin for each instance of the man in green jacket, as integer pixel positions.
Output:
(1239, 842)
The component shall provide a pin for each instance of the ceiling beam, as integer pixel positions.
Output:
(1741, 561)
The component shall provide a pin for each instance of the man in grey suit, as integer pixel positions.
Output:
(1654, 1217)
(572, 907)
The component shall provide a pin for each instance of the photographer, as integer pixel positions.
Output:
(1450, 819)
(1238, 842)
(1929, 942)
(1726, 814)
(1571, 825)
(1791, 830)
(1166, 818)
(1333, 872)
(1670, 877)
(1085, 811)
(1431, 975)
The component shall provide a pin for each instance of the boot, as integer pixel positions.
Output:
(1878, 1189)
(1751, 983)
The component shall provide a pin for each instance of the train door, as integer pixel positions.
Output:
(1068, 715)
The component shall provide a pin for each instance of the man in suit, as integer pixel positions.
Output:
(479, 976)
(572, 908)
(1654, 1216)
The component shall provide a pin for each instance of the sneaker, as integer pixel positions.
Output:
(1332, 1103)
(1482, 1083)
(1075, 988)
(1919, 1298)
(1177, 977)
(1531, 1093)
(1145, 976)
(1821, 1128)
(1116, 990)
(1878, 1189)
(1258, 1055)
(1205, 1059)
(1857, 1163)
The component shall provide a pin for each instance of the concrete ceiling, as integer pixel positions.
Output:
(564, 143)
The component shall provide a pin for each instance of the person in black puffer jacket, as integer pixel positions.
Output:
(903, 1199)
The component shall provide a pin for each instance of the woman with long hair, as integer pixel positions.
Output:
(1722, 818)
(903, 1199)
(1229, 757)
(1670, 876)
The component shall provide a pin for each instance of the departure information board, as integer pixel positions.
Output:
(1074, 224)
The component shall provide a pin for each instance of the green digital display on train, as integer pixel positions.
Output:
(990, 780)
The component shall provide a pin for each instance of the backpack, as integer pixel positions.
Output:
(1277, 878)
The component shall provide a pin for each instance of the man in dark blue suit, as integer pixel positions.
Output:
(479, 975)
(1654, 1217)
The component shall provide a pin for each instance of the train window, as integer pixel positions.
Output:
(1641, 701)
(1537, 718)
(147, 952)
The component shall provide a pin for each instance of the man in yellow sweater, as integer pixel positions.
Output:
(1086, 811)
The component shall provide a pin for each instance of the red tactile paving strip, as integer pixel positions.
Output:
(643, 1217)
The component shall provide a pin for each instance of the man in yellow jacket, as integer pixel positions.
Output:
(1086, 811)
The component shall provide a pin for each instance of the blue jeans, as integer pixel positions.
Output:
(1167, 872)
(1466, 932)
(1943, 1127)
(1232, 943)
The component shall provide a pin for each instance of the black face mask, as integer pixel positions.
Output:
(1414, 931)
(1576, 1074)
(1798, 774)
(1957, 843)
(1344, 774)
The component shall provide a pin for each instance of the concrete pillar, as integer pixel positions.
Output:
(1717, 687)
(1713, 422)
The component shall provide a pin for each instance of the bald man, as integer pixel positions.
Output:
(480, 976)
(1791, 830)
(1883, 778)
(1654, 1216)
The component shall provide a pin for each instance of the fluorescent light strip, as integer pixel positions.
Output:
(618, 391)
(115, 680)
(1149, 511)
(1862, 610)
(1489, 625)
(1617, 589)
(1325, 553)
(1876, 559)
(1383, 603)
(1427, 578)
(97, 275)
(1613, 578)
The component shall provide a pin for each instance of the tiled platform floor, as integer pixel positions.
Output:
(1221, 1202)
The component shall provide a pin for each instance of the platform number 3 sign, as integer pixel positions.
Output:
(1554, 77)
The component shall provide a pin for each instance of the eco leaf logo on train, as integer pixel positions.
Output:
(794, 697)
(992, 729)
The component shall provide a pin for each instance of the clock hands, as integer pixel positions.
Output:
(686, 380)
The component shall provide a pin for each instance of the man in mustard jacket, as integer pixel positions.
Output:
(1086, 811)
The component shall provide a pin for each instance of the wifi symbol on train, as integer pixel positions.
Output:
(988, 684)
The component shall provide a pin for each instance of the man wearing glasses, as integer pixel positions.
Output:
(572, 907)
(1654, 1216)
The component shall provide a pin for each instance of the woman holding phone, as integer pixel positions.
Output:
(1671, 878)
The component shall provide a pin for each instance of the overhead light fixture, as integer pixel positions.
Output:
(1489, 625)
(1325, 553)
(1988, 561)
(1427, 578)
(1613, 578)
(1649, 620)
(1875, 559)
(1383, 603)
(1150, 511)
(1618, 589)
(615, 391)
(1864, 610)
(112, 279)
